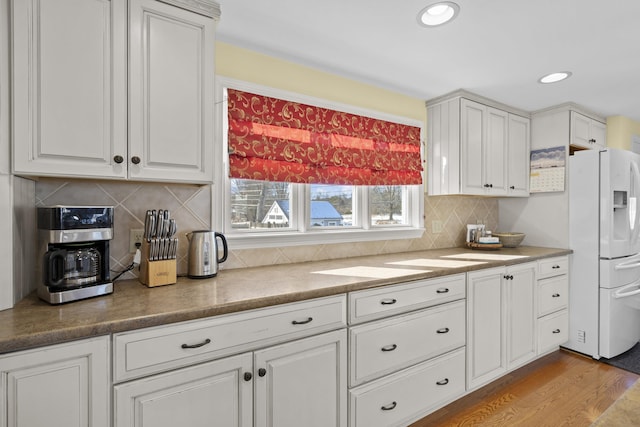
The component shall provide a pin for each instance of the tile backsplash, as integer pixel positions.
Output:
(190, 205)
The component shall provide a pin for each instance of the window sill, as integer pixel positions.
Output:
(279, 239)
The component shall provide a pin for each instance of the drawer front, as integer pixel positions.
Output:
(408, 395)
(382, 347)
(553, 294)
(553, 330)
(553, 267)
(389, 300)
(151, 350)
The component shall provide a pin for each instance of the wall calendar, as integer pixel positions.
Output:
(547, 169)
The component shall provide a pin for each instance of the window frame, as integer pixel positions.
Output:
(301, 232)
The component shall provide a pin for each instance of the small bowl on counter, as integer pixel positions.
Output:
(510, 239)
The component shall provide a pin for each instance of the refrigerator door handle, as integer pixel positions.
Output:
(622, 292)
(627, 265)
(633, 208)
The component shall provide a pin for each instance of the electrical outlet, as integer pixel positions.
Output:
(135, 236)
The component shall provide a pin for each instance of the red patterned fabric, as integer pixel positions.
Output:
(275, 140)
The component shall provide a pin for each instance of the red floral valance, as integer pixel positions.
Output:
(275, 140)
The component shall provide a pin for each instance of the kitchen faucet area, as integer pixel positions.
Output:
(335, 214)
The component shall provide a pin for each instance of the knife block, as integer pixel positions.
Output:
(156, 273)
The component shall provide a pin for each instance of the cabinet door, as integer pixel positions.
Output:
(171, 66)
(69, 87)
(214, 393)
(495, 158)
(472, 137)
(486, 355)
(598, 132)
(518, 156)
(302, 383)
(66, 385)
(520, 284)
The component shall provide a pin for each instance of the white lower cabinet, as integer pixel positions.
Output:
(501, 321)
(553, 303)
(410, 360)
(196, 396)
(302, 383)
(399, 399)
(298, 383)
(64, 385)
(281, 366)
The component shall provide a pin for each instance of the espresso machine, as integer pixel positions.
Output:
(74, 244)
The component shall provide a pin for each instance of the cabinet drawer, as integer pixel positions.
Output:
(388, 300)
(553, 267)
(553, 294)
(152, 350)
(553, 330)
(382, 347)
(402, 398)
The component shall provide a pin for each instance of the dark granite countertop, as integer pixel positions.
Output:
(32, 322)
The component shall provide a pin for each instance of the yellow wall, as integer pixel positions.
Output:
(250, 66)
(620, 130)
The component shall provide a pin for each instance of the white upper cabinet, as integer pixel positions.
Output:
(587, 132)
(69, 87)
(113, 89)
(478, 149)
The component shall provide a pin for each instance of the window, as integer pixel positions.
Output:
(294, 204)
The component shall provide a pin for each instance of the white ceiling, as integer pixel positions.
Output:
(495, 48)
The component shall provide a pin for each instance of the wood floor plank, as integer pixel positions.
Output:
(561, 389)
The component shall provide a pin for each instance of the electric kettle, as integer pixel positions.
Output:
(203, 253)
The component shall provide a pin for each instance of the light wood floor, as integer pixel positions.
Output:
(561, 389)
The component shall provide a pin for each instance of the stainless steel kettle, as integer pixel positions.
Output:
(203, 253)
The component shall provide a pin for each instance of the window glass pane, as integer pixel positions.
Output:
(388, 205)
(331, 206)
(260, 205)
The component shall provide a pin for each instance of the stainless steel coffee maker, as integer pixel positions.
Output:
(74, 243)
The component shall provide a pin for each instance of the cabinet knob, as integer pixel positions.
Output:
(135, 160)
(592, 141)
(508, 277)
(262, 372)
(486, 186)
(118, 159)
(555, 296)
(248, 376)
(389, 407)
(513, 187)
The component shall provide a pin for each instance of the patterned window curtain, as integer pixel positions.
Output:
(275, 140)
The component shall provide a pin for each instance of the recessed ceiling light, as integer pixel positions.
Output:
(438, 13)
(555, 77)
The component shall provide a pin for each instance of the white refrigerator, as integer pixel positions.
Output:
(604, 229)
